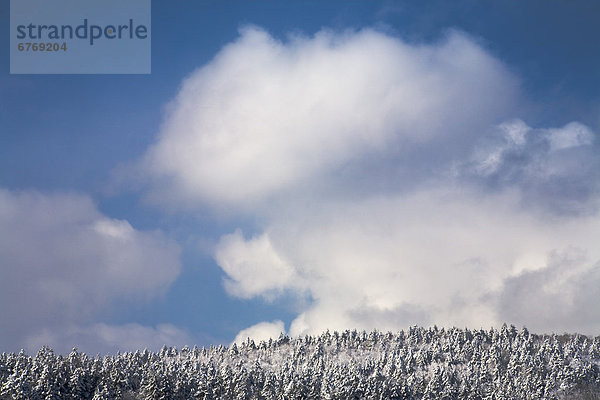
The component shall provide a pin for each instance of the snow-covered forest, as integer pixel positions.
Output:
(415, 364)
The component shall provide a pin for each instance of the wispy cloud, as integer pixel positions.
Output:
(555, 169)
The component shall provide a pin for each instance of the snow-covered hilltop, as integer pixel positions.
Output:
(415, 364)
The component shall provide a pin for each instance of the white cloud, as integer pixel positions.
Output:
(252, 266)
(573, 134)
(262, 331)
(62, 262)
(103, 338)
(438, 256)
(265, 118)
(392, 183)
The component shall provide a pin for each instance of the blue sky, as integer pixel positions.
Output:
(493, 121)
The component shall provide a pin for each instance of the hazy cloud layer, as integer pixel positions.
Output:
(395, 184)
(104, 339)
(62, 262)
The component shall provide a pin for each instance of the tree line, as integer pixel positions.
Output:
(419, 363)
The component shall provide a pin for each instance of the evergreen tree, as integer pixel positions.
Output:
(419, 363)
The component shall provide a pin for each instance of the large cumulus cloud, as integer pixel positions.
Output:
(63, 263)
(393, 183)
(442, 256)
(267, 118)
